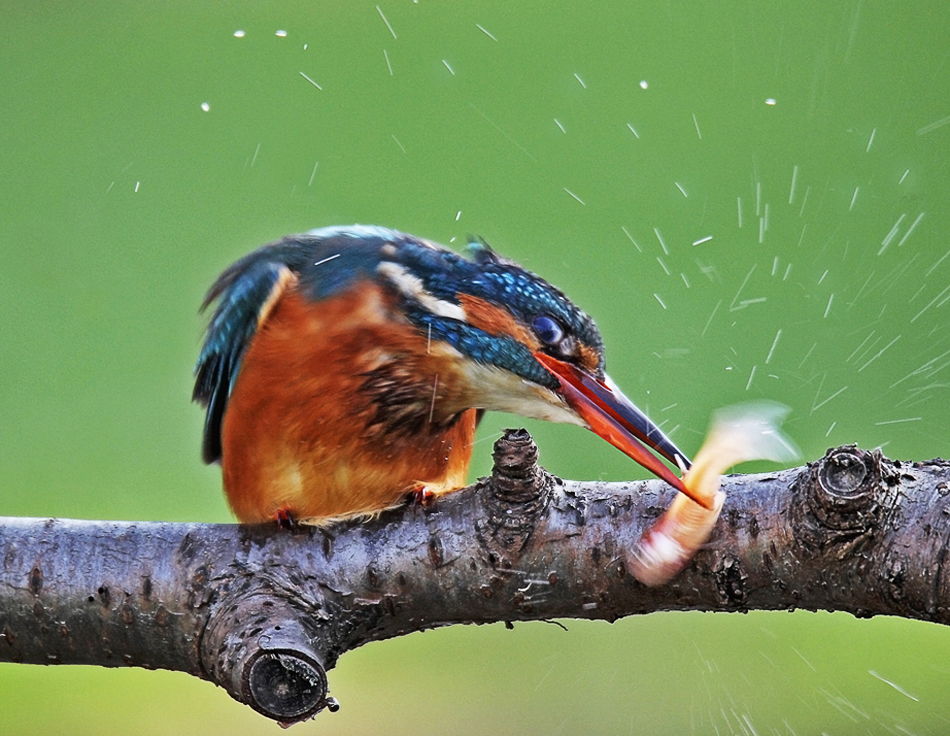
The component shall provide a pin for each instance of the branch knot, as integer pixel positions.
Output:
(846, 501)
(846, 488)
(516, 494)
(259, 648)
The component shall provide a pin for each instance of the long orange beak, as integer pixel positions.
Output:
(615, 418)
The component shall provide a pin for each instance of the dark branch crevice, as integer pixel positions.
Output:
(265, 613)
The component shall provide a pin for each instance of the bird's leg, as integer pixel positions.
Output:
(422, 496)
(285, 520)
(738, 434)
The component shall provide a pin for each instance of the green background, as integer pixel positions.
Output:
(824, 286)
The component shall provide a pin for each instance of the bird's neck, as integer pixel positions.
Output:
(411, 393)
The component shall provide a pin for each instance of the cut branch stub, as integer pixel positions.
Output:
(258, 648)
(517, 493)
(847, 480)
(846, 500)
(848, 489)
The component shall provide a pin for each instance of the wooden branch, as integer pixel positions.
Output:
(264, 612)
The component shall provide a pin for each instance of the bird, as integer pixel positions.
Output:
(345, 369)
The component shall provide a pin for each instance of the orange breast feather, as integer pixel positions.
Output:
(336, 411)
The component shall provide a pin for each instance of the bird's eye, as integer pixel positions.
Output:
(548, 330)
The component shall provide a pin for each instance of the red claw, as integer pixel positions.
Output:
(286, 520)
(423, 497)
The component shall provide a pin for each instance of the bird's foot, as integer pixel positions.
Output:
(285, 520)
(422, 496)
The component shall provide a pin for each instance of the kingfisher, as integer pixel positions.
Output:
(346, 369)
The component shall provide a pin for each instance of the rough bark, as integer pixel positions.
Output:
(264, 612)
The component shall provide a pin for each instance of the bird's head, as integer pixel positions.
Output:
(523, 347)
